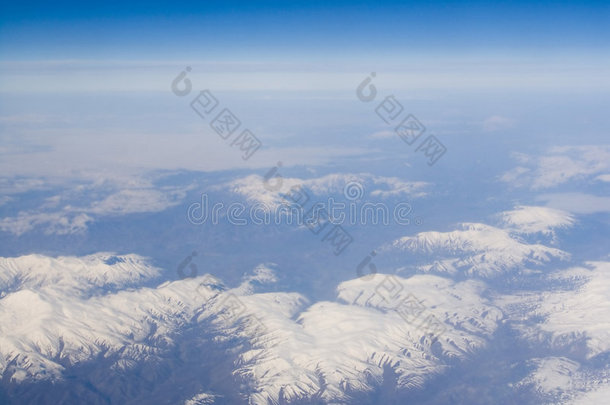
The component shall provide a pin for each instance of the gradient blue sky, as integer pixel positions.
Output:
(87, 85)
(247, 30)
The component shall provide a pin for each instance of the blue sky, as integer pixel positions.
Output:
(69, 74)
(247, 30)
(298, 46)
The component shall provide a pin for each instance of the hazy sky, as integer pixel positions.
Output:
(88, 83)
